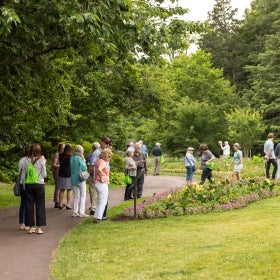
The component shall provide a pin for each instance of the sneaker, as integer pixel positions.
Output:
(84, 215)
(75, 215)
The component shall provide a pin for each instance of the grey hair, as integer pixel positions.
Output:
(79, 150)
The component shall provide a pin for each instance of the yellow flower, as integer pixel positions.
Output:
(169, 197)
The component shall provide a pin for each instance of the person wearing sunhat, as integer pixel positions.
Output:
(190, 165)
(105, 142)
(157, 153)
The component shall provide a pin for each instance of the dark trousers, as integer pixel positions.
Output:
(35, 202)
(22, 206)
(206, 174)
(139, 181)
(267, 168)
(128, 192)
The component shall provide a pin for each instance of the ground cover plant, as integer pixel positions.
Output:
(224, 245)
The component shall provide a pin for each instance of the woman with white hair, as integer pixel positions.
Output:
(226, 149)
(130, 171)
(78, 164)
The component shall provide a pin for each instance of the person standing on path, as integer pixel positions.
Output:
(105, 142)
(140, 161)
(101, 183)
(78, 164)
(190, 165)
(92, 191)
(64, 177)
(270, 157)
(22, 207)
(35, 192)
(129, 170)
(55, 170)
(157, 153)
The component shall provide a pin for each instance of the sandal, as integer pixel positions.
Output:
(40, 231)
(31, 230)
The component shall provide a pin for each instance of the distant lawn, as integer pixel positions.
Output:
(7, 198)
(242, 244)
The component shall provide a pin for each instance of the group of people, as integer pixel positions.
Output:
(66, 168)
(207, 162)
(135, 166)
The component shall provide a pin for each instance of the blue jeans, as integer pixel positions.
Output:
(190, 173)
(22, 206)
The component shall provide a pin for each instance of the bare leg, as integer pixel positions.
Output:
(61, 196)
(69, 196)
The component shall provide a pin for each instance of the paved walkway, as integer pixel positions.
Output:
(28, 256)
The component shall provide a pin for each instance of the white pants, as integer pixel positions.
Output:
(79, 198)
(278, 169)
(102, 199)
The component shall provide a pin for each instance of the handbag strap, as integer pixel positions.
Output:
(188, 161)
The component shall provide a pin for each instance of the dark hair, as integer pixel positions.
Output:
(67, 149)
(35, 150)
(60, 145)
(27, 150)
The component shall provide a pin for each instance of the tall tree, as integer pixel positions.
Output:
(265, 81)
(219, 40)
(261, 21)
(49, 48)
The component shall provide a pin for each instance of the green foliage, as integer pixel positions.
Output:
(244, 126)
(219, 40)
(117, 163)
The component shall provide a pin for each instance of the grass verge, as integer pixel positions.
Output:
(239, 244)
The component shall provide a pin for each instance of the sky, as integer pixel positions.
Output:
(200, 8)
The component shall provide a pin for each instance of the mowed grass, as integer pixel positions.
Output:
(7, 198)
(241, 244)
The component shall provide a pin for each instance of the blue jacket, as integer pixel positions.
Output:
(77, 164)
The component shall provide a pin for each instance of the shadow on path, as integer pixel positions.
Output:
(28, 256)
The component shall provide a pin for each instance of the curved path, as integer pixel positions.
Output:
(28, 256)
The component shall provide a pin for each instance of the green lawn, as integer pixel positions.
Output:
(242, 244)
(7, 198)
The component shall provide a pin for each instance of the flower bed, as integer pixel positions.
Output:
(220, 196)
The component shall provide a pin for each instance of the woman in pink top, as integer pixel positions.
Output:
(101, 181)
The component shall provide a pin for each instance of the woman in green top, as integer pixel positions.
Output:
(238, 163)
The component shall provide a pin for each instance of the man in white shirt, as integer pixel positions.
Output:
(270, 157)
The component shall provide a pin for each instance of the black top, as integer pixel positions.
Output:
(157, 152)
(64, 169)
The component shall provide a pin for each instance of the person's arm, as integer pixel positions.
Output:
(240, 157)
(55, 162)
